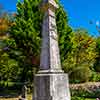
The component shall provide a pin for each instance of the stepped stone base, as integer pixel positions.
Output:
(53, 86)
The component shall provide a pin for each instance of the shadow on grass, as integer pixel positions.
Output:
(9, 93)
(10, 90)
(13, 89)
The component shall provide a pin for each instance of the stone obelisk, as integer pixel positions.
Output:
(51, 83)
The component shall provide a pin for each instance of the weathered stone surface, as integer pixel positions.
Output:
(51, 87)
(50, 82)
(49, 3)
(24, 93)
(50, 59)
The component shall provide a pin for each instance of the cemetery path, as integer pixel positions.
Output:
(92, 85)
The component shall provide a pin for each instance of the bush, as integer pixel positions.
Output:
(80, 74)
(85, 93)
(97, 68)
(77, 98)
(95, 77)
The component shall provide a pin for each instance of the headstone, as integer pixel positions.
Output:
(50, 83)
(24, 93)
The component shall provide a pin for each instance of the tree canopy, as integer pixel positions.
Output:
(20, 50)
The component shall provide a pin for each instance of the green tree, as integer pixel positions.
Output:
(82, 56)
(8, 66)
(27, 29)
(65, 33)
(97, 63)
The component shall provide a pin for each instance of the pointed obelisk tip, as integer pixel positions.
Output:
(49, 3)
(18, 0)
(53, 3)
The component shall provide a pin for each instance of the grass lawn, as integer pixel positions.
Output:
(28, 98)
(8, 99)
(81, 98)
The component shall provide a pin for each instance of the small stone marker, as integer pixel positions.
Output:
(24, 93)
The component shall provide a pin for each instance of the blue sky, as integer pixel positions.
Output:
(80, 12)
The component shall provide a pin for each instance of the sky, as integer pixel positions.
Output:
(80, 12)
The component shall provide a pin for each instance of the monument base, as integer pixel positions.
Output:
(53, 86)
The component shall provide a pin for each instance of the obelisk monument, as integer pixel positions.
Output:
(50, 83)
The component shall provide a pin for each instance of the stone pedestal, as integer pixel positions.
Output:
(51, 86)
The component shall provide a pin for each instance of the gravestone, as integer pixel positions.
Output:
(24, 93)
(50, 83)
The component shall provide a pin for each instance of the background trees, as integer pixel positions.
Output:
(26, 33)
(80, 61)
(8, 66)
(20, 50)
(97, 63)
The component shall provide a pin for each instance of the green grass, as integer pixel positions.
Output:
(81, 98)
(16, 98)
(90, 99)
(30, 98)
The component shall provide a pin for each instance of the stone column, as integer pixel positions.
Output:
(51, 83)
(50, 59)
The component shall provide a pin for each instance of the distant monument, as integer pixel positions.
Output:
(50, 82)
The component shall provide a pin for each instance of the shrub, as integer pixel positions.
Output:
(85, 93)
(97, 68)
(77, 98)
(95, 77)
(80, 74)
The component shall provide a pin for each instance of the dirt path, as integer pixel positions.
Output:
(88, 84)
